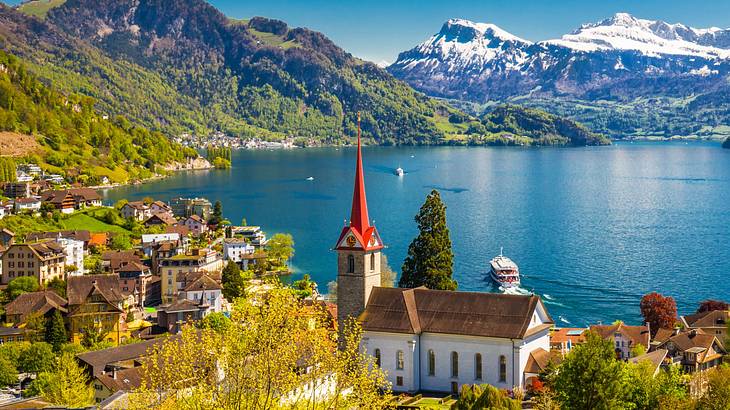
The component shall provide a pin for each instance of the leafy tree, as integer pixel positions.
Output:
(645, 391)
(13, 350)
(280, 248)
(35, 324)
(485, 396)
(270, 340)
(92, 336)
(712, 305)
(233, 284)
(58, 285)
(55, 331)
(65, 385)
(8, 372)
(216, 321)
(638, 350)
(659, 311)
(20, 285)
(37, 358)
(387, 274)
(304, 287)
(430, 260)
(120, 243)
(590, 377)
(717, 396)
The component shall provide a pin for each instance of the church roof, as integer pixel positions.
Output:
(366, 236)
(419, 310)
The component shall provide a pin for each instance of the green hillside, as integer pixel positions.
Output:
(39, 8)
(74, 139)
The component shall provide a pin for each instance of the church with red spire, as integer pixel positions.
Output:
(358, 251)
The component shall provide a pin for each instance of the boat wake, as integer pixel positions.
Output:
(548, 297)
(515, 291)
(564, 320)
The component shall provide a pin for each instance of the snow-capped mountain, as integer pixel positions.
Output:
(620, 57)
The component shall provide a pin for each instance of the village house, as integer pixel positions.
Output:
(137, 210)
(712, 323)
(159, 207)
(29, 204)
(12, 334)
(117, 368)
(207, 293)
(197, 260)
(160, 218)
(95, 305)
(67, 200)
(134, 278)
(199, 294)
(7, 237)
(196, 225)
(624, 337)
(434, 340)
(563, 340)
(694, 350)
(17, 189)
(173, 316)
(186, 207)
(236, 249)
(42, 260)
(63, 201)
(83, 236)
(44, 303)
(252, 234)
(111, 261)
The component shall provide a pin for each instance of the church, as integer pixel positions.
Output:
(434, 340)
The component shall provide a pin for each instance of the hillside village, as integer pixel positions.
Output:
(118, 287)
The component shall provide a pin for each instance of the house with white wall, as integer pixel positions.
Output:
(433, 340)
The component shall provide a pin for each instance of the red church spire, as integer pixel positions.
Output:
(359, 217)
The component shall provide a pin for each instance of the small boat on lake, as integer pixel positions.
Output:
(399, 171)
(310, 179)
(504, 272)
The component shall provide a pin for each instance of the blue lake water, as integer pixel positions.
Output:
(592, 229)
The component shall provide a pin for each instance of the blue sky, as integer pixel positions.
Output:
(378, 30)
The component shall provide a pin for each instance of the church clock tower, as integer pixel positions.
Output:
(358, 252)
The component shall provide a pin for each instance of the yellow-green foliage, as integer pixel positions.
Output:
(76, 140)
(39, 8)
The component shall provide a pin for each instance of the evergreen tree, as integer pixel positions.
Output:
(430, 260)
(217, 216)
(56, 331)
(233, 283)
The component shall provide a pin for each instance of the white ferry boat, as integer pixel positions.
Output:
(504, 272)
(399, 171)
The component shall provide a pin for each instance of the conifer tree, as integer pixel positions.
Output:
(430, 260)
(233, 283)
(55, 333)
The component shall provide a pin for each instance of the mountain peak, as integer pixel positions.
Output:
(460, 27)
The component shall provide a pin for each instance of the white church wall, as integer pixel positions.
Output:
(389, 345)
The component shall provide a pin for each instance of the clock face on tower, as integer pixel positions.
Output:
(351, 241)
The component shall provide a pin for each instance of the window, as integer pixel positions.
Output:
(454, 364)
(478, 366)
(372, 261)
(454, 388)
(431, 363)
(399, 360)
(502, 369)
(377, 357)
(350, 264)
(399, 381)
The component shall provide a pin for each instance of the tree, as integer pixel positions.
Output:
(217, 216)
(430, 260)
(590, 377)
(659, 312)
(717, 396)
(8, 372)
(712, 305)
(303, 287)
(55, 331)
(255, 363)
(387, 275)
(37, 358)
(58, 285)
(216, 321)
(638, 350)
(645, 391)
(280, 248)
(485, 396)
(233, 284)
(91, 337)
(65, 385)
(23, 284)
(120, 242)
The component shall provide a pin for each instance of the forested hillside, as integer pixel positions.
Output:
(73, 139)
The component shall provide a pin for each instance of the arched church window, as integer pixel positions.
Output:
(502, 369)
(454, 364)
(377, 357)
(372, 261)
(478, 366)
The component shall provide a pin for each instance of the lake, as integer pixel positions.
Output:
(592, 229)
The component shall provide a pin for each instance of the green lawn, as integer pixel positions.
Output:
(82, 221)
(40, 8)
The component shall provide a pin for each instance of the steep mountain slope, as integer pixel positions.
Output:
(65, 135)
(726, 143)
(210, 72)
(645, 68)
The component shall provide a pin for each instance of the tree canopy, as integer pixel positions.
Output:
(659, 312)
(280, 248)
(430, 260)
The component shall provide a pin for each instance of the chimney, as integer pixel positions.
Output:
(114, 373)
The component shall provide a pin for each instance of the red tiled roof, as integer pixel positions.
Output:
(637, 334)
